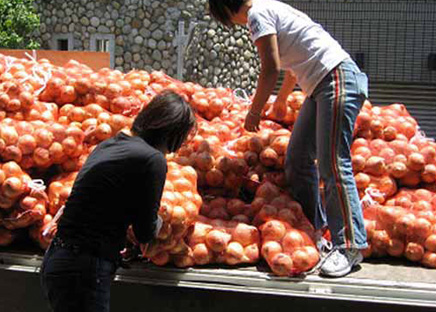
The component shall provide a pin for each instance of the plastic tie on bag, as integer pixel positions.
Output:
(42, 77)
(37, 185)
(241, 95)
(420, 134)
(368, 199)
(9, 61)
(53, 222)
(32, 57)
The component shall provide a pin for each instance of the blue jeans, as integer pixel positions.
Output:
(76, 281)
(319, 148)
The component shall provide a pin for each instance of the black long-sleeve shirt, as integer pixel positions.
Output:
(121, 183)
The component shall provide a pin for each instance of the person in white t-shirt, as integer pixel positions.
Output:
(319, 148)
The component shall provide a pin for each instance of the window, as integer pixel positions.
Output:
(62, 42)
(104, 43)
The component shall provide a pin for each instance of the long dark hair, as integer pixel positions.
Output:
(167, 120)
(221, 9)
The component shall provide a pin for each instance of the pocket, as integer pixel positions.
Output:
(362, 84)
(65, 292)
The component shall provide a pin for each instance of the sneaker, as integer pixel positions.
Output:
(340, 262)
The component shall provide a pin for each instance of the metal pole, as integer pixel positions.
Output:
(180, 38)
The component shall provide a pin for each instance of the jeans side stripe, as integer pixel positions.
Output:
(338, 103)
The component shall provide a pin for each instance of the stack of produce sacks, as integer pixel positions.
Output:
(225, 189)
(38, 144)
(180, 206)
(23, 201)
(405, 226)
(287, 250)
(395, 172)
(214, 241)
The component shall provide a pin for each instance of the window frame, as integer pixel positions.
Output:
(111, 38)
(56, 37)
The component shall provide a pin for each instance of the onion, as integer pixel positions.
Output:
(76, 133)
(375, 165)
(204, 161)
(11, 169)
(69, 146)
(77, 114)
(292, 241)
(119, 105)
(13, 187)
(103, 131)
(397, 169)
(2, 176)
(4, 100)
(214, 177)
(12, 152)
(117, 122)
(24, 127)
(429, 259)
(358, 162)
(280, 145)
(41, 157)
(9, 135)
(416, 161)
(301, 260)
(245, 234)
(13, 105)
(273, 230)
(201, 254)
(270, 249)
(44, 138)
(363, 151)
(234, 253)
(26, 99)
(267, 191)
(235, 206)
(281, 264)
(395, 247)
(56, 151)
(414, 251)
(217, 240)
(389, 133)
(430, 243)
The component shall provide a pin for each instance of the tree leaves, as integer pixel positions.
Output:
(18, 22)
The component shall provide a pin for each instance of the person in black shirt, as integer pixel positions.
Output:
(120, 184)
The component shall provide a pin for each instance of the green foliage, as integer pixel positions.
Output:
(18, 20)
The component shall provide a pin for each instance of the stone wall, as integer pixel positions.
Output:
(143, 33)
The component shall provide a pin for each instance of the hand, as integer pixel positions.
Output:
(131, 236)
(279, 109)
(144, 249)
(252, 122)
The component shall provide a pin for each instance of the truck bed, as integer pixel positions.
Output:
(388, 281)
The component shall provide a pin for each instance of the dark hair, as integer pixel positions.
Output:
(167, 120)
(221, 9)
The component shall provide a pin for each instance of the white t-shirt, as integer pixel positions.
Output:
(304, 46)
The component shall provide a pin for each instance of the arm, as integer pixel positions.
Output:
(280, 107)
(270, 68)
(145, 221)
(288, 85)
